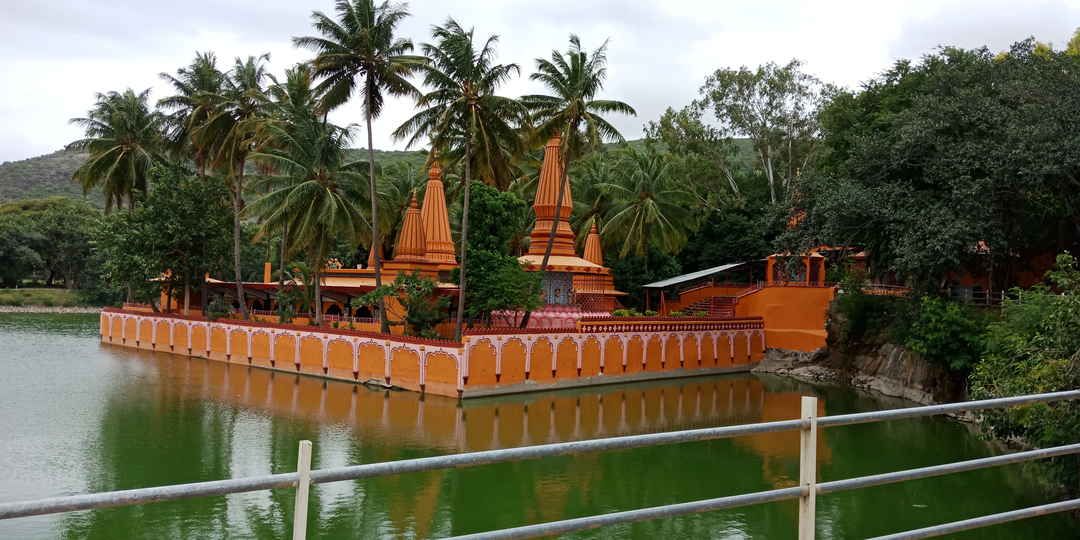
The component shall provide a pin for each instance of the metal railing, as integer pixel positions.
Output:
(806, 492)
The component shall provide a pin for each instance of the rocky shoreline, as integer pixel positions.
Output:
(49, 309)
(885, 369)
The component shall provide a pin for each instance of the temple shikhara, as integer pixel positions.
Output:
(717, 320)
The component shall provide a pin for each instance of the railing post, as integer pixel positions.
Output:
(303, 484)
(808, 467)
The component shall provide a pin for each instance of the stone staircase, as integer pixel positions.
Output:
(714, 306)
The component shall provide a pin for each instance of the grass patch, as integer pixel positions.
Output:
(39, 297)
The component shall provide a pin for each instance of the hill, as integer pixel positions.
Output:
(44, 176)
(50, 175)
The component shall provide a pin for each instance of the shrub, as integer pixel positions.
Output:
(624, 312)
(216, 309)
(676, 313)
(947, 333)
(649, 313)
(1032, 349)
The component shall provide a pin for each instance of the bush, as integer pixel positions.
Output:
(864, 318)
(216, 309)
(624, 312)
(1034, 348)
(947, 333)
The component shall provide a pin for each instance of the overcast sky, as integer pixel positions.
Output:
(55, 54)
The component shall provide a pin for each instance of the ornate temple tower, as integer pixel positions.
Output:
(572, 286)
(547, 195)
(440, 245)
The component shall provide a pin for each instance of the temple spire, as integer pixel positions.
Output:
(440, 245)
(593, 253)
(547, 195)
(411, 245)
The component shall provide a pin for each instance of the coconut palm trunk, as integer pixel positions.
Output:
(237, 232)
(380, 307)
(464, 243)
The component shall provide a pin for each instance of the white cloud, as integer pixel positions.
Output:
(57, 54)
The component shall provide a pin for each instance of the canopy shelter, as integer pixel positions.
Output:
(735, 275)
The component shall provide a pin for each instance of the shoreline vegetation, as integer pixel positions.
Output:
(45, 300)
(50, 309)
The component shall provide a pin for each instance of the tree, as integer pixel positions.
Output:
(178, 235)
(187, 218)
(229, 134)
(496, 217)
(572, 112)
(359, 52)
(123, 139)
(463, 111)
(775, 106)
(61, 229)
(198, 87)
(649, 210)
(705, 157)
(308, 198)
(17, 255)
(423, 308)
(934, 159)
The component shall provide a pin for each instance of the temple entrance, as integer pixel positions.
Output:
(558, 288)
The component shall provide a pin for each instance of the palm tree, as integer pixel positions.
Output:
(123, 138)
(462, 115)
(197, 88)
(230, 135)
(308, 200)
(649, 208)
(572, 112)
(359, 52)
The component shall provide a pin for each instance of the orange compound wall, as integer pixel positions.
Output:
(794, 316)
(600, 352)
(431, 366)
(608, 352)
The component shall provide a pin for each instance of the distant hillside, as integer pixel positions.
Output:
(50, 175)
(44, 176)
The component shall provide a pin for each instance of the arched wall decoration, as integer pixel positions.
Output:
(602, 335)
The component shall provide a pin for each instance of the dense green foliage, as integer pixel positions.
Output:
(1035, 347)
(180, 232)
(502, 284)
(47, 239)
(946, 332)
(936, 157)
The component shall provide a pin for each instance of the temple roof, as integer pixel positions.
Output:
(411, 245)
(547, 195)
(440, 245)
(593, 252)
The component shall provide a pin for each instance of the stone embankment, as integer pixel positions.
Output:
(887, 369)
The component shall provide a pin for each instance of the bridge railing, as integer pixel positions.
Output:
(806, 492)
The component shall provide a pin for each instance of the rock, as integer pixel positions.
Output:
(886, 368)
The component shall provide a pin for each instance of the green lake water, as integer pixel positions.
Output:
(78, 416)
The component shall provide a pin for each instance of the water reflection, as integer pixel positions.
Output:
(97, 418)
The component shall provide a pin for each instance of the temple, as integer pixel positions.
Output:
(573, 287)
